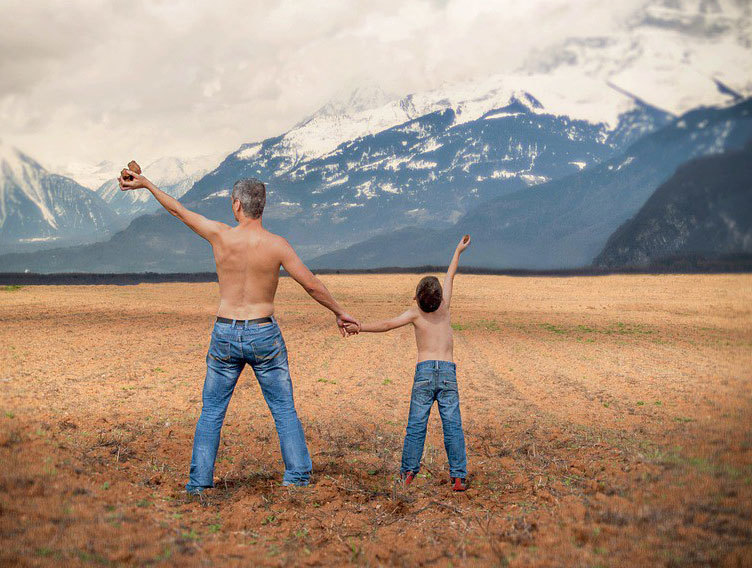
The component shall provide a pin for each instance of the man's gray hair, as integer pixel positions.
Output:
(252, 196)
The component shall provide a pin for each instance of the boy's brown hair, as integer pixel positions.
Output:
(429, 294)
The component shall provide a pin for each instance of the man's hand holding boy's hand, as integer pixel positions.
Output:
(347, 324)
(464, 243)
(352, 329)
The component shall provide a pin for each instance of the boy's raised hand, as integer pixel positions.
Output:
(464, 243)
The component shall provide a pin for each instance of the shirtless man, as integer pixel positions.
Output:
(435, 373)
(248, 259)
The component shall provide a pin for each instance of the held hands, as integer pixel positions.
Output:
(347, 324)
(352, 329)
(463, 244)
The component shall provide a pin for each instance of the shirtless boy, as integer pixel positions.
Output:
(248, 259)
(435, 373)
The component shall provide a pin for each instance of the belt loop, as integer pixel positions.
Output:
(234, 322)
(436, 365)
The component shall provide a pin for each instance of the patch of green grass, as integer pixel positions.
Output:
(106, 485)
(490, 325)
(214, 528)
(617, 328)
(683, 419)
(143, 503)
(92, 557)
(191, 535)
(387, 382)
(327, 381)
(459, 327)
(640, 403)
(9, 414)
(11, 288)
(270, 519)
(301, 534)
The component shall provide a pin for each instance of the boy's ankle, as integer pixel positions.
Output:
(407, 478)
(459, 483)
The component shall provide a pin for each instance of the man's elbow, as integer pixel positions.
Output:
(176, 212)
(313, 287)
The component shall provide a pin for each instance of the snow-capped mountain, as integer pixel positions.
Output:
(674, 54)
(369, 164)
(38, 208)
(90, 176)
(463, 147)
(172, 175)
(565, 222)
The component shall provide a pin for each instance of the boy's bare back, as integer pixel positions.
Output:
(433, 334)
(433, 329)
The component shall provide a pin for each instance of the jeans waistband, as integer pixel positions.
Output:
(434, 365)
(246, 323)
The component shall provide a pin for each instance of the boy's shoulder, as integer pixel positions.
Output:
(441, 312)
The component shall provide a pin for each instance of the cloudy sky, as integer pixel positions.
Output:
(94, 81)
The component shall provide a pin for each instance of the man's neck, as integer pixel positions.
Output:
(250, 224)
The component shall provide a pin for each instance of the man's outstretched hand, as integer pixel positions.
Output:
(138, 181)
(347, 324)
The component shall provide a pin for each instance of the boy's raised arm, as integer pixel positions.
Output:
(452, 270)
(389, 324)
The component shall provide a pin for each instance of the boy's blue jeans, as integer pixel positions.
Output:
(435, 380)
(263, 348)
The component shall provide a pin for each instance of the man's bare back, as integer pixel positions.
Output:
(248, 259)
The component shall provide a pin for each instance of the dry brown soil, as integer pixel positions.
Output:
(608, 423)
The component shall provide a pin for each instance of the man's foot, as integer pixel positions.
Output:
(459, 484)
(195, 491)
(407, 479)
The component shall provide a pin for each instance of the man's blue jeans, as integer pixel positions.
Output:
(263, 348)
(435, 381)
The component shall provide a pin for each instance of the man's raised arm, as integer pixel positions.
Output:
(452, 270)
(202, 226)
(302, 275)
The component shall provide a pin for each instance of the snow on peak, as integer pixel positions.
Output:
(580, 97)
(17, 170)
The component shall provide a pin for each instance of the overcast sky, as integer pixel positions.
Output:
(92, 81)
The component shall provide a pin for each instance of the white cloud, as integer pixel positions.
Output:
(94, 81)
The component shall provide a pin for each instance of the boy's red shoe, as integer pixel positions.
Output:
(407, 479)
(459, 484)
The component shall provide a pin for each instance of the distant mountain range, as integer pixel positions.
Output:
(428, 171)
(172, 175)
(40, 209)
(540, 166)
(704, 209)
(565, 222)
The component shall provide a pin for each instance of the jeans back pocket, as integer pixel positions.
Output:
(267, 349)
(220, 349)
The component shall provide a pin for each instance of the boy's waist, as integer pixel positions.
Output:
(435, 365)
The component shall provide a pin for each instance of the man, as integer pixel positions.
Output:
(248, 259)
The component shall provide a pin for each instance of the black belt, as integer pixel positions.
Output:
(267, 319)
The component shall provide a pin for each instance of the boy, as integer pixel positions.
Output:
(435, 373)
